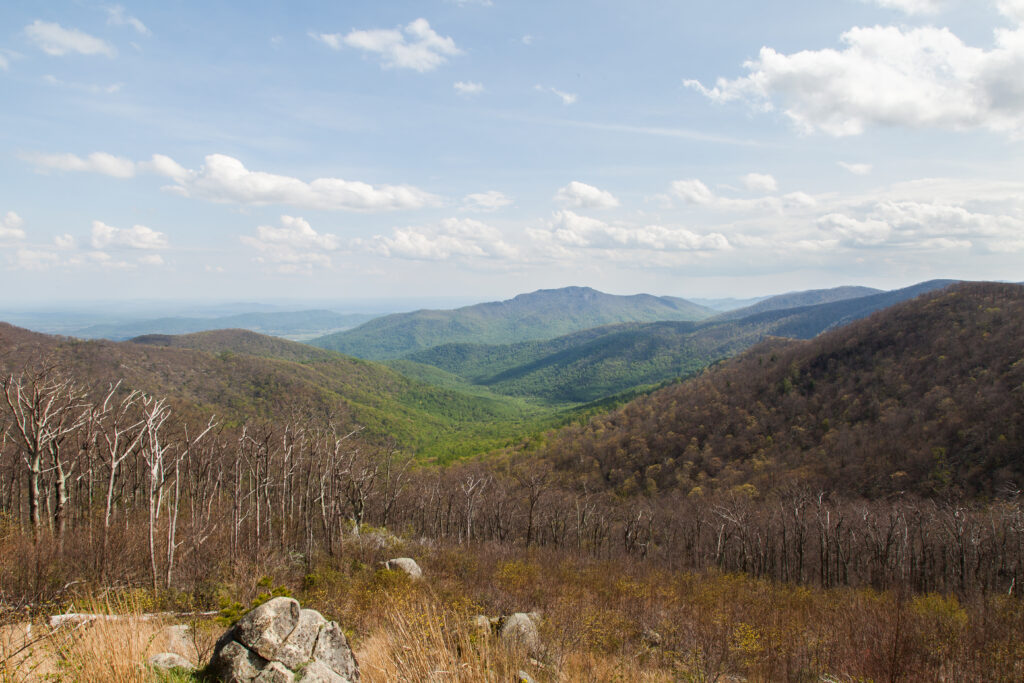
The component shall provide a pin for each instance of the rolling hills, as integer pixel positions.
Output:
(239, 375)
(593, 364)
(926, 396)
(543, 314)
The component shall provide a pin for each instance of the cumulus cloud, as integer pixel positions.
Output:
(54, 39)
(579, 195)
(226, 179)
(452, 238)
(886, 75)
(695, 192)
(857, 169)
(569, 229)
(415, 46)
(97, 162)
(135, 237)
(101, 259)
(922, 225)
(760, 182)
(468, 88)
(566, 97)
(1012, 9)
(295, 247)
(10, 227)
(492, 200)
(35, 259)
(65, 241)
(155, 260)
(116, 16)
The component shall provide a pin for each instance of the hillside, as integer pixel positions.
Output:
(294, 325)
(596, 363)
(924, 397)
(240, 375)
(810, 297)
(543, 314)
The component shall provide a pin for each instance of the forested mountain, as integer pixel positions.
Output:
(596, 363)
(240, 375)
(543, 314)
(295, 325)
(926, 397)
(797, 299)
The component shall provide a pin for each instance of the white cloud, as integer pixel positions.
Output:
(527, 39)
(451, 238)
(415, 46)
(579, 195)
(857, 169)
(468, 88)
(571, 230)
(225, 179)
(116, 17)
(10, 227)
(84, 87)
(1012, 9)
(97, 162)
(34, 259)
(295, 247)
(65, 241)
(54, 39)
(914, 77)
(166, 166)
(566, 97)
(135, 237)
(693, 191)
(3, 63)
(911, 6)
(151, 260)
(492, 200)
(101, 259)
(760, 182)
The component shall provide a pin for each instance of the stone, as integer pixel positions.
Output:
(165, 661)
(481, 625)
(523, 677)
(333, 651)
(318, 672)
(405, 564)
(519, 628)
(275, 672)
(264, 629)
(235, 663)
(297, 649)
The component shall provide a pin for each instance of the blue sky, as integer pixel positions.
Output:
(333, 150)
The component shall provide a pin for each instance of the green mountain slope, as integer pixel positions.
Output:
(926, 396)
(543, 314)
(589, 365)
(283, 379)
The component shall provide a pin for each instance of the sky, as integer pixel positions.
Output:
(315, 149)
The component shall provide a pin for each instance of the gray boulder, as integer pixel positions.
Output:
(165, 661)
(278, 638)
(519, 628)
(264, 629)
(405, 564)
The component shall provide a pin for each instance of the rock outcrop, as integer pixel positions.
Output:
(279, 642)
(407, 565)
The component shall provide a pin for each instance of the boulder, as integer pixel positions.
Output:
(165, 661)
(264, 629)
(278, 638)
(405, 564)
(519, 628)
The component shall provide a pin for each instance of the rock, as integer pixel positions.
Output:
(264, 629)
(165, 661)
(318, 672)
(235, 663)
(405, 564)
(333, 651)
(297, 649)
(523, 677)
(481, 625)
(275, 672)
(278, 638)
(519, 628)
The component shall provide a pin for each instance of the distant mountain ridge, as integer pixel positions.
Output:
(543, 314)
(810, 297)
(593, 364)
(295, 324)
